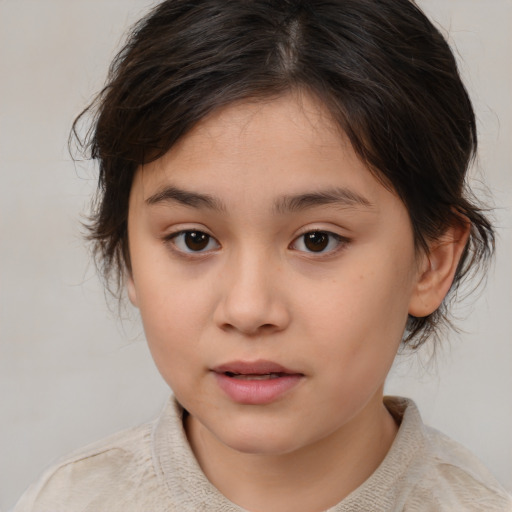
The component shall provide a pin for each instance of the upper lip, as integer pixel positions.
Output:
(260, 367)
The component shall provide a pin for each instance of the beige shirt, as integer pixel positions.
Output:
(152, 469)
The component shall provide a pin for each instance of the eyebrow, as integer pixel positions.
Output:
(172, 194)
(342, 197)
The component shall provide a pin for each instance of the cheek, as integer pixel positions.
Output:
(169, 317)
(173, 314)
(372, 299)
(169, 330)
(168, 296)
(358, 318)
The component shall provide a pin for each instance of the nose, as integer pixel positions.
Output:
(252, 296)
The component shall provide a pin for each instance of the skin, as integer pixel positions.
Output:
(256, 292)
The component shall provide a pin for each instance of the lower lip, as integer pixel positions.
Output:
(256, 392)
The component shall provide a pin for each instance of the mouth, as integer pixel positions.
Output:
(254, 376)
(256, 383)
(254, 370)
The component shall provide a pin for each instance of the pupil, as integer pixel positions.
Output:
(196, 241)
(316, 241)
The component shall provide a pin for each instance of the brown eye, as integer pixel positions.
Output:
(196, 240)
(319, 242)
(316, 241)
(193, 241)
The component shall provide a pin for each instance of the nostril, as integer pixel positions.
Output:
(251, 315)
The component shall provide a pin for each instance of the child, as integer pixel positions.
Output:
(282, 194)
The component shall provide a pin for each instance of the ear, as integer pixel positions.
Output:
(437, 269)
(130, 288)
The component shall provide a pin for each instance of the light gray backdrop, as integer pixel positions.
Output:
(69, 371)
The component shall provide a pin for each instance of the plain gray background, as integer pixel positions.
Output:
(70, 372)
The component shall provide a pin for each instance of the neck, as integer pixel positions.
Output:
(311, 479)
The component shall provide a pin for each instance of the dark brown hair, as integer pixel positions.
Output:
(382, 69)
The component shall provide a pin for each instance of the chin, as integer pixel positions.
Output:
(260, 439)
(257, 445)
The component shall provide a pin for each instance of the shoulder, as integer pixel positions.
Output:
(444, 475)
(457, 476)
(89, 478)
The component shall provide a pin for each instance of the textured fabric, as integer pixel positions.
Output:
(152, 469)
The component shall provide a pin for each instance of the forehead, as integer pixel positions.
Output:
(254, 151)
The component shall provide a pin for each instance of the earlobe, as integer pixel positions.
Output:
(437, 270)
(130, 288)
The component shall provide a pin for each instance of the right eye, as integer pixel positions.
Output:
(192, 241)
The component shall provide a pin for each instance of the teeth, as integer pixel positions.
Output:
(266, 376)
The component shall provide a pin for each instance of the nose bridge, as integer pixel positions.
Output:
(251, 299)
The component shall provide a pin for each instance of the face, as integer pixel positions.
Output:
(273, 273)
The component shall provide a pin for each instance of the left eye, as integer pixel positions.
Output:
(194, 241)
(318, 242)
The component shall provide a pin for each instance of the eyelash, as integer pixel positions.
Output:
(173, 237)
(340, 242)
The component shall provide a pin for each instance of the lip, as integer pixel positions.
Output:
(255, 382)
(259, 367)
